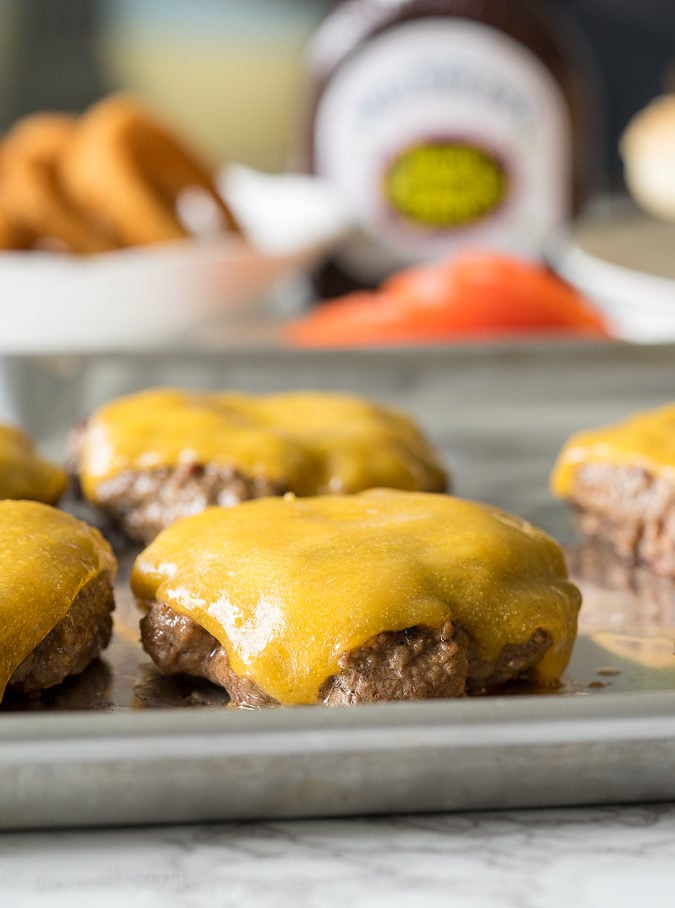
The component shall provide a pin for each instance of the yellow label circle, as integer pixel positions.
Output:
(446, 185)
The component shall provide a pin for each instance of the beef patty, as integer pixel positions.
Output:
(72, 644)
(416, 663)
(153, 457)
(144, 503)
(630, 507)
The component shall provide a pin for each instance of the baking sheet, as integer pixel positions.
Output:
(120, 744)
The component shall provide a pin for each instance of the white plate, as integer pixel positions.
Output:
(624, 261)
(167, 295)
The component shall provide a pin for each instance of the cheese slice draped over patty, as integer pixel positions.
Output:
(309, 442)
(645, 440)
(287, 585)
(48, 557)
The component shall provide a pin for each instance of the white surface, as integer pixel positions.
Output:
(587, 858)
(164, 295)
(282, 215)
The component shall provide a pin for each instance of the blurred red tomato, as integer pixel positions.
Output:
(478, 295)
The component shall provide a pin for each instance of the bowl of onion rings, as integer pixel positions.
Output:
(114, 236)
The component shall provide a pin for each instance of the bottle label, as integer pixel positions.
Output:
(444, 132)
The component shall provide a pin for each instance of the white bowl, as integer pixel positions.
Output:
(169, 295)
(624, 262)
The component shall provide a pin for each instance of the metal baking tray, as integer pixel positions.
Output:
(121, 745)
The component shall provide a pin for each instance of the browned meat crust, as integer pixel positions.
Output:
(414, 664)
(143, 503)
(631, 508)
(515, 660)
(179, 646)
(72, 644)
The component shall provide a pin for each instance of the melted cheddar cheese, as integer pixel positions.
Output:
(287, 585)
(309, 442)
(645, 440)
(23, 474)
(47, 558)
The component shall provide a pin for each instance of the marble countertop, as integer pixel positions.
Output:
(605, 856)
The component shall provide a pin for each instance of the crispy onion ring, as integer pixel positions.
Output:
(132, 169)
(34, 196)
(13, 235)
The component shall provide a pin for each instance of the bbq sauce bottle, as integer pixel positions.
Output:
(447, 123)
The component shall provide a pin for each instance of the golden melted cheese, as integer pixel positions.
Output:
(23, 474)
(309, 442)
(645, 440)
(47, 558)
(287, 585)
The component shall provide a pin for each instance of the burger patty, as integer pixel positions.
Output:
(72, 644)
(416, 663)
(632, 509)
(145, 502)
